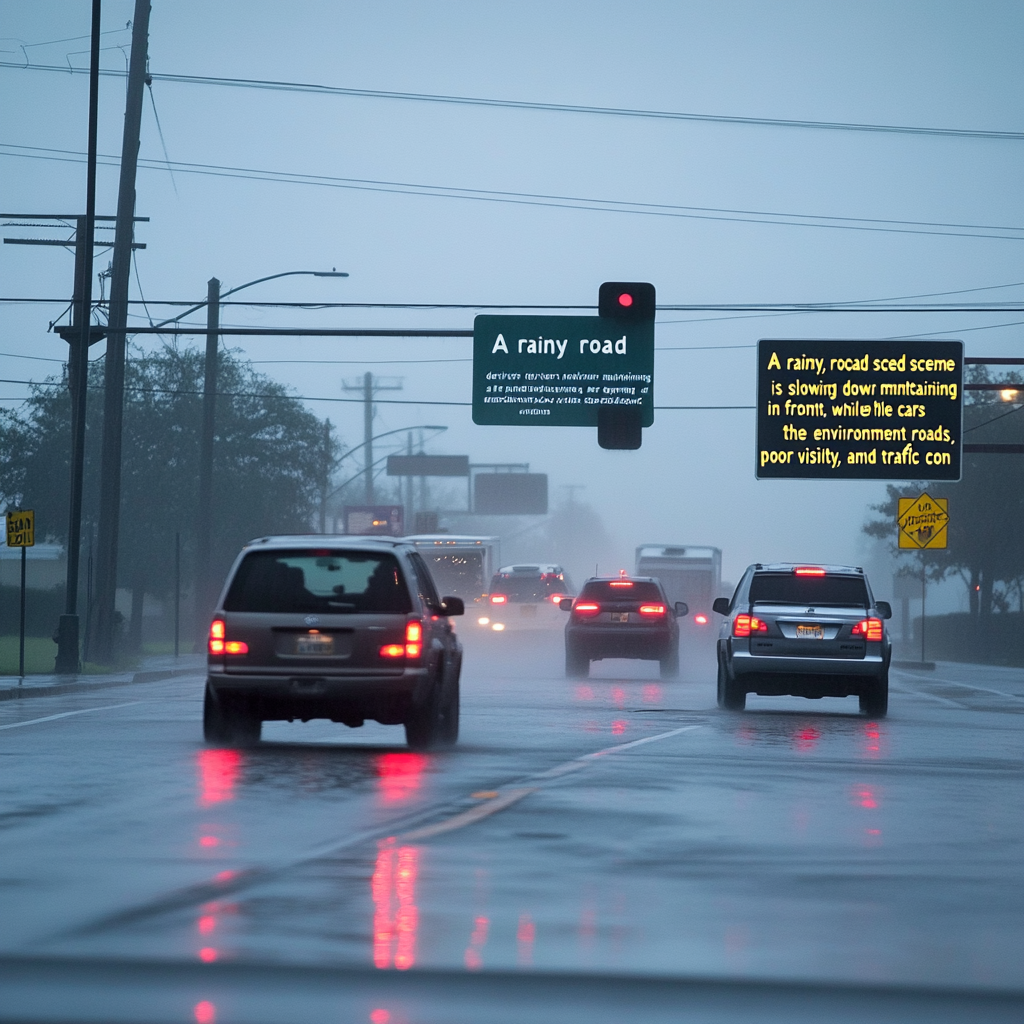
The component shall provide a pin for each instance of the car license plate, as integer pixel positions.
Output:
(620, 616)
(527, 609)
(805, 632)
(314, 643)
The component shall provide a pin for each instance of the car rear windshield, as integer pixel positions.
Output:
(328, 582)
(622, 590)
(811, 591)
(528, 588)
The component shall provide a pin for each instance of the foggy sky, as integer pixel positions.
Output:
(893, 63)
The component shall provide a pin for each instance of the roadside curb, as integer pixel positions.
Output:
(146, 676)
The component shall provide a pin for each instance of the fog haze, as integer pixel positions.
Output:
(921, 64)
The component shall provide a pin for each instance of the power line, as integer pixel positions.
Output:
(718, 214)
(560, 108)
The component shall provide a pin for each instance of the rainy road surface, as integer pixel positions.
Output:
(609, 849)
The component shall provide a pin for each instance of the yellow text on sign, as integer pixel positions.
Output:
(922, 521)
(21, 529)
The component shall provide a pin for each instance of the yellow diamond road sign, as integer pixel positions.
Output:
(923, 521)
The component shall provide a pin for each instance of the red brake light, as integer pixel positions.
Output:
(499, 598)
(809, 570)
(555, 598)
(587, 608)
(745, 624)
(413, 639)
(701, 620)
(621, 583)
(216, 645)
(870, 629)
(652, 609)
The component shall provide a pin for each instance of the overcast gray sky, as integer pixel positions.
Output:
(933, 64)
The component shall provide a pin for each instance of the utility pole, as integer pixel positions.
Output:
(113, 397)
(369, 387)
(68, 657)
(325, 479)
(208, 432)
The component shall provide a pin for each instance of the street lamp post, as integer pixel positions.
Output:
(203, 580)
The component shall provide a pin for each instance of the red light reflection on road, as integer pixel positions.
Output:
(806, 739)
(652, 693)
(619, 696)
(584, 693)
(399, 776)
(206, 924)
(209, 841)
(477, 941)
(872, 740)
(618, 727)
(865, 797)
(208, 954)
(205, 1012)
(379, 1016)
(588, 926)
(745, 735)
(218, 774)
(395, 916)
(525, 935)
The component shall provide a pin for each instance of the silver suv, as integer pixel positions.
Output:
(805, 630)
(345, 628)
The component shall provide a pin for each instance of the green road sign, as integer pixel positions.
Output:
(557, 371)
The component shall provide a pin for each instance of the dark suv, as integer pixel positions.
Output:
(621, 617)
(345, 628)
(804, 630)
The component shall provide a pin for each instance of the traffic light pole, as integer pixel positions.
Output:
(68, 658)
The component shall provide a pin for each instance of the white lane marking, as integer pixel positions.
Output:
(972, 686)
(506, 798)
(929, 696)
(68, 714)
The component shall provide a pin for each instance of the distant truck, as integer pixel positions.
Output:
(688, 573)
(461, 565)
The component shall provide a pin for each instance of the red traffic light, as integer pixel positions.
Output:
(626, 300)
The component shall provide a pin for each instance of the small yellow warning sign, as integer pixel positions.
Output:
(922, 521)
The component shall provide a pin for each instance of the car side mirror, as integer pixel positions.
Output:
(565, 604)
(681, 609)
(452, 606)
(884, 609)
(721, 605)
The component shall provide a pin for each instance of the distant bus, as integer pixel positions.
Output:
(688, 573)
(462, 566)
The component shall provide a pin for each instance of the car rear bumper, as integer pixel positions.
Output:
(743, 663)
(385, 696)
(599, 642)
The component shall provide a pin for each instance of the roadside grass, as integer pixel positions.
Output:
(40, 652)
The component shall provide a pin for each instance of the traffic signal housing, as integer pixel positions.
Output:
(626, 300)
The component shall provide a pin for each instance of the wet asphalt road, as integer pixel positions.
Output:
(794, 842)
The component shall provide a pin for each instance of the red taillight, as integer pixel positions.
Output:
(652, 609)
(393, 651)
(587, 608)
(216, 645)
(870, 629)
(413, 639)
(701, 620)
(744, 625)
(809, 570)
(499, 598)
(555, 598)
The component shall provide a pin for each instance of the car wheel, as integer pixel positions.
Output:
(226, 722)
(874, 698)
(436, 722)
(670, 665)
(730, 696)
(577, 666)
